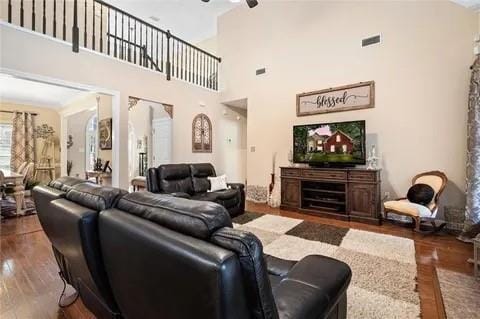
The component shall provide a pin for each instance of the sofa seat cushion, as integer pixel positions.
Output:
(226, 194)
(408, 208)
(218, 195)
(199, 219)
(227, 198)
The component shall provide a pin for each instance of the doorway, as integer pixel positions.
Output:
(149, 135)
(161, 141)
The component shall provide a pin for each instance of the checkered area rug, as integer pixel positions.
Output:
(383, 266)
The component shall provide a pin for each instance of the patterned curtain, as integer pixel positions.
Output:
(23, 140)
(472, 212)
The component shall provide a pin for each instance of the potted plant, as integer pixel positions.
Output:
(69, 167)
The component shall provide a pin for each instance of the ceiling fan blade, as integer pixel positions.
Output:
(252, 3)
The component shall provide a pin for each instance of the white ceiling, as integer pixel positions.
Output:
(191, 20)
(473, 4)
(20, 91)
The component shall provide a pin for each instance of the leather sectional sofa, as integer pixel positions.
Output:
(145, 255)
(191, 181)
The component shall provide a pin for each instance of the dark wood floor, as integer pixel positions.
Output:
(30, 285)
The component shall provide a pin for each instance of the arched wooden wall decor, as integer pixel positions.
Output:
(201, 134)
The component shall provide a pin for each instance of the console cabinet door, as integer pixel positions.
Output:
(362, 200)
(290, 192)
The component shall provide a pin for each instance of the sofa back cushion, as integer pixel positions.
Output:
(65, 183)
(254, 270)
(200, 173)
(175, 178)
(199, 219)
(94, 196)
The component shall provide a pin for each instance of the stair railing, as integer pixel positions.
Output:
(104, 28)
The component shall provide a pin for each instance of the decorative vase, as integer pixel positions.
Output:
(274, 197)
(272, 183)
(290, 158)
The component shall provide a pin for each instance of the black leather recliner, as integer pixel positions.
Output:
(43, 196)
(69, 218)
(182, 259)
(191, 181)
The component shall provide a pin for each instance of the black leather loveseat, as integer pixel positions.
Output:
(145, 255)
(191, 181)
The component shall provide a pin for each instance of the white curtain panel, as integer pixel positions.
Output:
(472, 212)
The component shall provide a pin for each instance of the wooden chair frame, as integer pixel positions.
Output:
(417, 219)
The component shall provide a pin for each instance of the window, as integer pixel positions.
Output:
(339, 139)
(201, 134)
(332, 148)
(5, 146)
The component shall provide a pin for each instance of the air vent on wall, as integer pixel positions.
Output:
(371, 40)
(260, 71)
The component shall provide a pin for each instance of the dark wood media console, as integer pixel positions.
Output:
(342, 193)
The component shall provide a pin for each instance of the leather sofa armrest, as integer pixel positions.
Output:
(241, 190)
(181, 195)
(313, 288)
(236, 185)
(298, 300)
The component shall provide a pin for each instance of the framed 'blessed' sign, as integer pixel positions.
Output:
(338, 99)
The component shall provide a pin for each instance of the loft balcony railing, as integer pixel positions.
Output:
(101, 27)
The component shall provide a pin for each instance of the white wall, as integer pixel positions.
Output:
(233, 141)
(46, 57)
(76, 126)
(421, 72)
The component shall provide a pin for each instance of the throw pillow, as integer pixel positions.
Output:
(420, 194)
(218, 183)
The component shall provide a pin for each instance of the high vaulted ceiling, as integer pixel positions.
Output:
(195, 20)
(191, 20)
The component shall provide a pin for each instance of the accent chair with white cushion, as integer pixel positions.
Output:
(420, 213)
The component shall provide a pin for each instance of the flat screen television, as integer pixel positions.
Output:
(330, 144)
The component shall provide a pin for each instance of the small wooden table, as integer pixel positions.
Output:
(98, 175)
(139, 182)
(18, 190)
